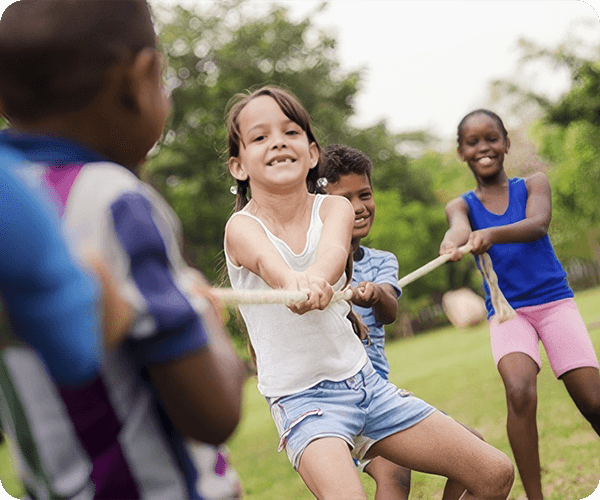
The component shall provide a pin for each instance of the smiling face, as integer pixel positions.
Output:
(483, 145)
(357, 189)
(274, 150)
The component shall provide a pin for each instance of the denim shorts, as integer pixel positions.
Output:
(361, 410)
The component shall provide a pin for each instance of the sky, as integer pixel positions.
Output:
(427, 63)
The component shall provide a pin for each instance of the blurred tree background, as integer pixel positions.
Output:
(214, 51)
(217, 49)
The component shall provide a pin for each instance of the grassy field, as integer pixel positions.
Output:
(453, 370)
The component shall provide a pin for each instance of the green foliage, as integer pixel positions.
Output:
(215, 51)
(569, 136)
(583, 102)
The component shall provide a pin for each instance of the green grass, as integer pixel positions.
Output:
(453, 370)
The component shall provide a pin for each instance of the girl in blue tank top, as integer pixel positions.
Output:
(509, 219)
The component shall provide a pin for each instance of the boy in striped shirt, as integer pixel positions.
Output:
(81, 83)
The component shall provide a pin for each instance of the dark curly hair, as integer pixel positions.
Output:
(339, 160)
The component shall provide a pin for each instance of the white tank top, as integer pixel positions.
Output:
(295, 352)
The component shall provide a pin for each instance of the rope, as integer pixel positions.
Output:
(504, 311)
(234, 297)
(430, 266)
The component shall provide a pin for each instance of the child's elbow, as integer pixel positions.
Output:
(540, 231)
(219, 427)
(220, 432)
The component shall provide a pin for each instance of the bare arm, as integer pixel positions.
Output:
(381, 297)
(535, 225)
(202, 392)
(337, 215)
(457, 214)
(247, 245)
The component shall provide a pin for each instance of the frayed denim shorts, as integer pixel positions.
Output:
(361, 410)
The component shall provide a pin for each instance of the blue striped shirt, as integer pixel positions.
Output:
(379, 267)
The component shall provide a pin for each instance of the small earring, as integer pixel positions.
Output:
(322, 182)
(233, 190)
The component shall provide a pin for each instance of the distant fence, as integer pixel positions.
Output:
(582, 274)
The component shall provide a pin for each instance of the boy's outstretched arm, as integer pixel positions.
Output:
(176, 336)
(457, 214)
(201, 392)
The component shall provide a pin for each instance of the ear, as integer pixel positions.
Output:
(460, 153)
(507, 147)
(141, 77)
(237, 169)
(313, 154)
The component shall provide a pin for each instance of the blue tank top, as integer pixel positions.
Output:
(529, 274)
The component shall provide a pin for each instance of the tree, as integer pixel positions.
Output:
(567, 133)
(216, 51)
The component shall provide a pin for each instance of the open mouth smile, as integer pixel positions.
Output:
(281, 160)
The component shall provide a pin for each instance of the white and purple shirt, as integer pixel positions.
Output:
(110, 438)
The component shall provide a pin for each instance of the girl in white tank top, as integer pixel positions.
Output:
(324, 394)
(295, 352)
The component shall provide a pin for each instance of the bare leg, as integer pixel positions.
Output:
(519, 374)
(583, 385)
(453, 490)
(440, 445)
(328, 470)
(393, 481)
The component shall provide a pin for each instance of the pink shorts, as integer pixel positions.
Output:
(558, 325)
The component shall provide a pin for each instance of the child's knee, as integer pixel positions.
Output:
(500, 482)
(521, 399)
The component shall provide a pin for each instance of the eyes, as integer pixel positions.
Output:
(490, 139)
(363, 196)
(290, 132)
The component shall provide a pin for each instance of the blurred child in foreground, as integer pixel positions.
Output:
(81, 86)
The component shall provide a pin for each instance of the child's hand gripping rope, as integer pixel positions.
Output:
(504, 311)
